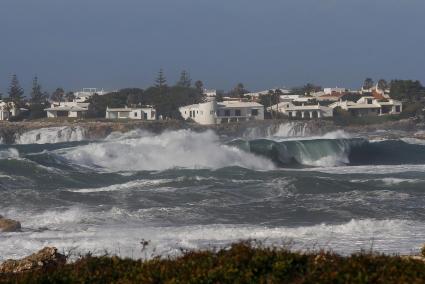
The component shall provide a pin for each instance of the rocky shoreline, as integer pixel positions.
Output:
(98, 129)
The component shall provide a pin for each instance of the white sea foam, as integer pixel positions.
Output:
(123, 186)
(182, 149)
(391, 236)
(388, 181)
(51, 135)
(10, 153)
(368, 169)
(413, 141)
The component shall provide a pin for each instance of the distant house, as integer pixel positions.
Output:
(213, 112)
(237, 111)
(141, 113)
(302, 111)
(329, 91)
(8, 110)
(67, 109)
(255, 96)
(370, 105)
(83, 95)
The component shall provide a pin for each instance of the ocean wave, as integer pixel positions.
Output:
(124, 186)
(389, 181)
(174, 149)
(380, 235)
(10, 153)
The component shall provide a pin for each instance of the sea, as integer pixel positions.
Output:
(143, 195)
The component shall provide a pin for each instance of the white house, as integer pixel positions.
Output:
(67, 109)
(7, 110)
(369, 105)
(83, 95)
(329, 91)
(302, 111)
(213, 112)
(237, 111)
(255, 96)
(143, 113)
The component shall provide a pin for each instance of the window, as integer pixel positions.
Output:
(227, 112)
(145, 115)
(238, 112)
(135, 114)
(254, 112)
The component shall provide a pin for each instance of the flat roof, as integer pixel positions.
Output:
(239, 104)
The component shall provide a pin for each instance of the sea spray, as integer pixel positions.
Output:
(174, 149)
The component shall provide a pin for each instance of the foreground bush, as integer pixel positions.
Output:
(242, 263)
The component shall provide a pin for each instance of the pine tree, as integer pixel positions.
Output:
(38, 100)
(37, 96)
(185, 80)
(15, 92)
(160, 81)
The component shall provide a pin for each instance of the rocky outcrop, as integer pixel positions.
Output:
(8, 225)
(44, 259)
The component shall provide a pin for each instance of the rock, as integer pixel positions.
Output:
(8, 225)
(45, 258)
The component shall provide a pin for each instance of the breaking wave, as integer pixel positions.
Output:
(175, 149)
(51, 135)
(335, 152)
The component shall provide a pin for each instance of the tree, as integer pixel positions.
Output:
(238, 91)
(184, 80)
(37, 96)
(70, 96)
(58, 95)
(407, 90)
(311, 88)
(38, 100)
(199, 85)
(368, 83)
(382, 84)
(15, 92)
(161, 81)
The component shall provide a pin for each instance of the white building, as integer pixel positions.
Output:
(255, 96)
(67, 109)
(369, 105)
(329, 91)
(234, 111)
(302, 111)
(214, 112)
(143, 113)
(7, 110)
(86, 93)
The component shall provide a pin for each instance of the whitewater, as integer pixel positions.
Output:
(187, 190)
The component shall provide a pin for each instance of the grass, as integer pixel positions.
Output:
(240, 263)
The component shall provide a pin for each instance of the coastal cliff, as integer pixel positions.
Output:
(98, 129)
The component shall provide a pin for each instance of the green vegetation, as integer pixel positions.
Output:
(166, 100)
(241, 263)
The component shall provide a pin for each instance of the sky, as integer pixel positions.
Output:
(113, 44)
